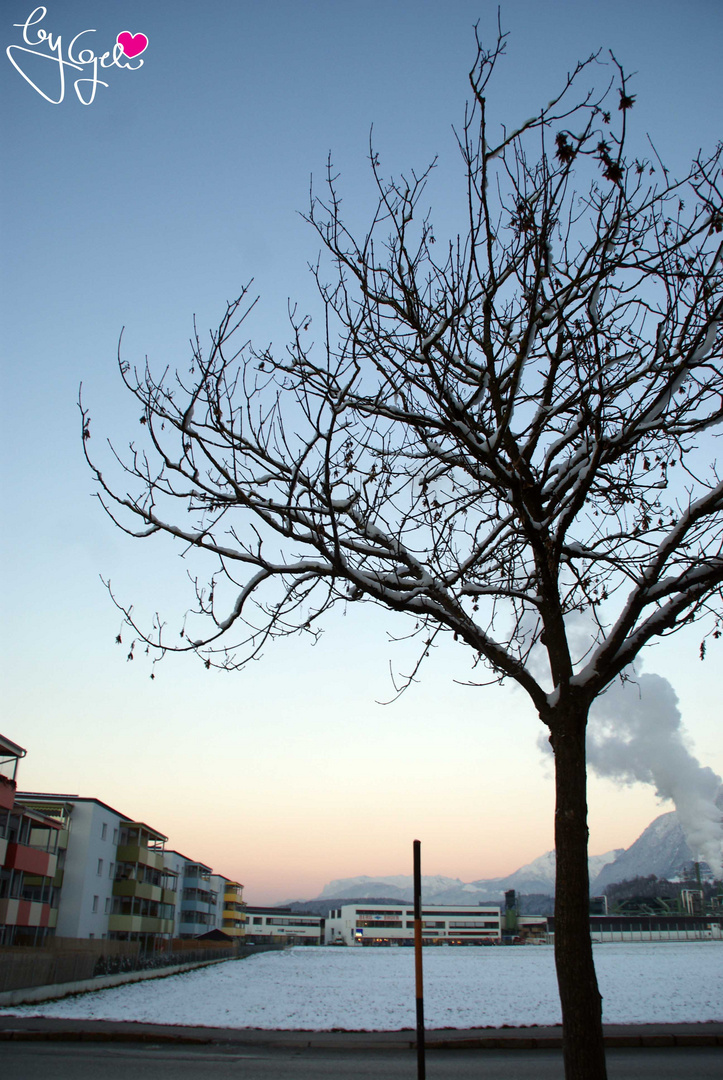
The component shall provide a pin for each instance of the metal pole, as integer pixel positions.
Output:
(418, 958)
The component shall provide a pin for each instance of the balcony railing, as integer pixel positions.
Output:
(136, 853)
(141, 889)
(7, 792)
(139, 924)
(24, 857)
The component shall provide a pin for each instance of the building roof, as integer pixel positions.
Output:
(52, 796)
(154, 834)
(7, 746)
(38, 798)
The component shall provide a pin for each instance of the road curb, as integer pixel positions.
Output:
(687, 1036)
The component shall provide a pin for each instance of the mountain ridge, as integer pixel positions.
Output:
(661, 849)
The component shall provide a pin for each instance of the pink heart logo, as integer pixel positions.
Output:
(132, 44)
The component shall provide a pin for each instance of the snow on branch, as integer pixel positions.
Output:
(494, 433)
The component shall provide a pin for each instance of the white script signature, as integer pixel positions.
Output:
(49, 46)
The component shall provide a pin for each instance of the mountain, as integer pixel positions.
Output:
(539, 875)
(536, 877)
(398, 885)
(661, 849)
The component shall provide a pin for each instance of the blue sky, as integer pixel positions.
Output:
(181, 181)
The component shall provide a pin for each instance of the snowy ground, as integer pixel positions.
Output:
(373, 989)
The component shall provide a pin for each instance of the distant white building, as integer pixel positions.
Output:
(282, 926)
(393, 924)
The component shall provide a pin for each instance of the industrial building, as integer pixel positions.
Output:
(282, 926)
(387, 924)
(653, 927)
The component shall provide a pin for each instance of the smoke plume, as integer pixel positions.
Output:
(636, 734)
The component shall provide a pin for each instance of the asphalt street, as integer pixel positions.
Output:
(112, 1061)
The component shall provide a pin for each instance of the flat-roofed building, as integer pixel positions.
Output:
(144, 890)
(283, 926)
(233, 911)
(111, 876)
(393, 924)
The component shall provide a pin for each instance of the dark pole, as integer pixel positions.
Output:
(418, 958)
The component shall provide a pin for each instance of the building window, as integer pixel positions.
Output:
(100, 867)
(95, 903)
(104, 831)
(115, 836)
(111, 868)
(107, 906)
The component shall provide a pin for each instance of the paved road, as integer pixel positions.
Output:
(113, 1061)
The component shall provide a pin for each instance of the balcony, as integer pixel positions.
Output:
(139, 924)
(202, 919)
(233, 927)
(16, 912)
(142, 889)
(193, 899)
(29, 859)
(137, 853)
(10, 754)
(232, 909)
(7, 792)
(195, 881)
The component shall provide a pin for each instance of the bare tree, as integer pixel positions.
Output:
(484, 439)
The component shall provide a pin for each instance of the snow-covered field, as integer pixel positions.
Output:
(373, 989)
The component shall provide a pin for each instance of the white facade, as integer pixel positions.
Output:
(218, 888)
(393, 924)
(277, 925)
(86, 861)
(176, 863)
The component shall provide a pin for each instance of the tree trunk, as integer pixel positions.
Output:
(582, 1035)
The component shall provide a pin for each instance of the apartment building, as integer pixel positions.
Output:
(197, 896)
(145, 890)
(233, 912)
(111, 874)
(76, 867)
(28, 861)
